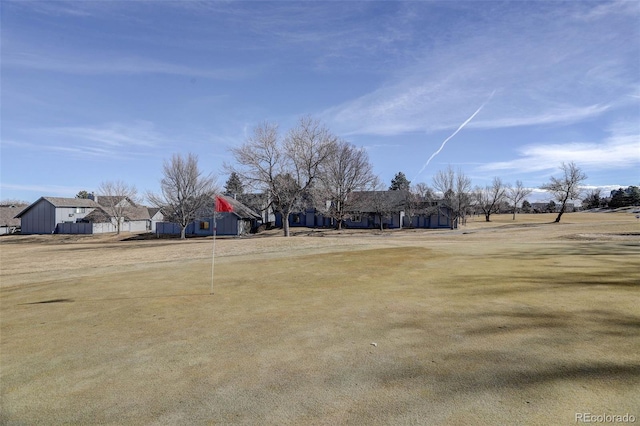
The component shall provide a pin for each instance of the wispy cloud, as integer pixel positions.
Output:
(44, 189)
(620, 149)
(138, 133)
(554, 115)
(113, 140)
(373, 147)
(60, 8)
(552, 71)
(112, 64)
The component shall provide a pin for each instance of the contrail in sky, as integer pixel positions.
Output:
(454, 133)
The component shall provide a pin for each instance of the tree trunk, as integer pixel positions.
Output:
(285, 224)
(564, 205)
(183, 232)
(514, 214)
(381, 223)
(339, 227)
(486, 217)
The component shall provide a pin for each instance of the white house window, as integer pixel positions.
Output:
(204, 225)
(79, 209)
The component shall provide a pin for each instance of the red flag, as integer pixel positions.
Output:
(223, 205)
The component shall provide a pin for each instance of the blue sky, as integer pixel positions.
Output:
(96, 90)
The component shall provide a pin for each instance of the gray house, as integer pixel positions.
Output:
(241, 220)
(379, 209)
(48, 215)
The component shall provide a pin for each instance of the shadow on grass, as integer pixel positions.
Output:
(48, 301)
(165, 296)
(599, 322)
(498, 372)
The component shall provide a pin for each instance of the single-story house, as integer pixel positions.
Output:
(9, 224)
(241, 220)
(369, 208)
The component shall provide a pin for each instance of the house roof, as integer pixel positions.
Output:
(61, 202)
(8, 213)
(70, 202)
(137, 213)
(100, 215)
(153, 211)
(371, 201)
(112, 200)
(97, 216)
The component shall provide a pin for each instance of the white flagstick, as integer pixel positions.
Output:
(213, 252)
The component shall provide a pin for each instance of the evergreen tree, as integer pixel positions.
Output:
(82, 194)
(234, 185)
(625, 197)
(400, 182)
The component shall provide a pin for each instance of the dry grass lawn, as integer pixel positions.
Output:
(508, 322)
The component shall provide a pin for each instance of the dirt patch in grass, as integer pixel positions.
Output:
(625, 236)
(504, 325)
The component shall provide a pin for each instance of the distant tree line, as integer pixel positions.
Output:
(621, 197)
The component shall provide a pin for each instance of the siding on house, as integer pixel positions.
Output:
(156, 216)
(40, 219)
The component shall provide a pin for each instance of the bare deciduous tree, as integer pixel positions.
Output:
(455, 189)
(593, 199)
(567, 187)
(346, 169)
(117, 198)
(185, 190)
(515, 194)
(297, 159)
(488, 199)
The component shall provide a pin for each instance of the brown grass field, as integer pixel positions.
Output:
(507, 322)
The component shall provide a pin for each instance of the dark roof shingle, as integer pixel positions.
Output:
(8, 213)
